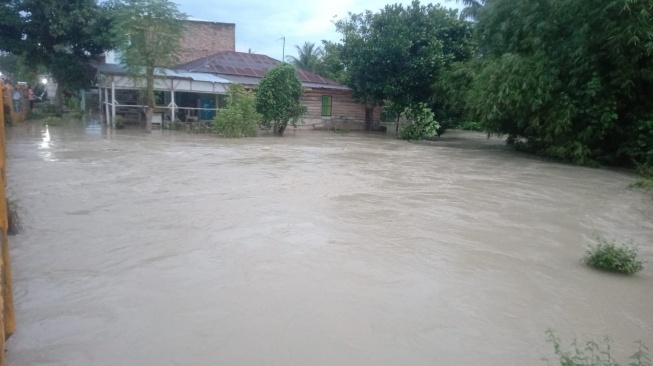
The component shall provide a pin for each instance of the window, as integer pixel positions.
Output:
(326, 106)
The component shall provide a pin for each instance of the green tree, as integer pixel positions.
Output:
(240, 118)
(150, 33)
(330, 65)
(568, 79)
(61, 35)
(308, 57)
(360, 61)
(277, 99)
(17, 68)
(400, 53)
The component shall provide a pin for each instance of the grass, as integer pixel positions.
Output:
(595, 354)
(470, 126)
(645, 181)
(609, 256)
(53, 121)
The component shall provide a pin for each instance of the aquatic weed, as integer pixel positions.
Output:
(594, 354)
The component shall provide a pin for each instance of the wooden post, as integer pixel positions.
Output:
(7, 315)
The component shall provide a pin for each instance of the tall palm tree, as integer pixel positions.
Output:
(308, 57)
(470, 11)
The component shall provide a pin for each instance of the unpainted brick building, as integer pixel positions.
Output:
(203, 38)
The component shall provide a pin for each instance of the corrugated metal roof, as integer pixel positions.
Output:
(249, 65)
(249, 80)
(115, 69)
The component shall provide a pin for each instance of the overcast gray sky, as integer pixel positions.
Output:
(261, 23)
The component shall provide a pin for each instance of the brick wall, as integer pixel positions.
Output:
(344, 110)
(205, 38)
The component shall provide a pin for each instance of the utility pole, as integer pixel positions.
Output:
(283, 55)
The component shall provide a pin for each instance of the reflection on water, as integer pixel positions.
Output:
(312, 249)
(45, 152)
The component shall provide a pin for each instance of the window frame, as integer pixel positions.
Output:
(329, 106)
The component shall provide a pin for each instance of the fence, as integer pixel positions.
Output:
(7, 319)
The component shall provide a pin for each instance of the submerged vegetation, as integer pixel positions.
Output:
(609, 256)
(240, 118)
(422, 125)
(595, 354)
(14, 219)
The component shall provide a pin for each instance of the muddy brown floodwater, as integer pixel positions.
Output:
(312, 249)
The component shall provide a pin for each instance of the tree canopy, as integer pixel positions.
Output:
(568, 79)
(398, 54)
(60, 35)
(149, 34)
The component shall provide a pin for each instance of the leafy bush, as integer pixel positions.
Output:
(609, 256)
(120, 122)
(422, 125)
(240, 118)
(592, 354)
(73, 107)
(277, 99)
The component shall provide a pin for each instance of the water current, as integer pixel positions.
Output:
(312, 249)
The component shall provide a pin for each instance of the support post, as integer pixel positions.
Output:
(7, 316)
(113, 103)
(99, 96)
(172, 102)
(106, 105)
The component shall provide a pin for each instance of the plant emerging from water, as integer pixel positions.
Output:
(53, 121)
(422, 126)
(240, 118)
(595, 354)
(609, 256)
(645, 180)
(13, 217)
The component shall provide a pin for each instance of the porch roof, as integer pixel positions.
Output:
(165, 79)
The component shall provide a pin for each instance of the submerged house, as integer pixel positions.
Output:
(179, 95)
(196, 89)
(329, 103)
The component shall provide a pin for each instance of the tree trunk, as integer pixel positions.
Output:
(149, 99)
(369, 115)
(58, 100)
(148, 119)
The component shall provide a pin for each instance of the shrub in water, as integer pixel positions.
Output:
(239, 119)
(14, 220)
(646, 177)
(422, 126)
(593, 354)
(609, 256)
